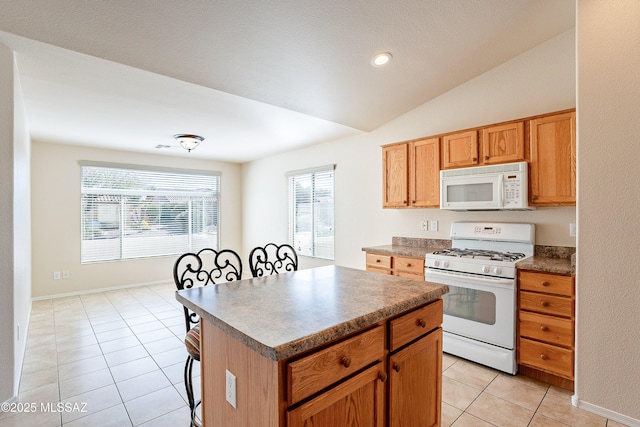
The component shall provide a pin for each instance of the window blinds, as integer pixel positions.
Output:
(130, 212)
(311, 212)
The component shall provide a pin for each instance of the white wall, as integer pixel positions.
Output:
(56, 219)
(15, 244)
(539, 81)
(608, 274)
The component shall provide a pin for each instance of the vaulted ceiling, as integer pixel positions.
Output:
(252, 77)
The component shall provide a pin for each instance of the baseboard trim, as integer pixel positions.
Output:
(92, 291)
(631, 422)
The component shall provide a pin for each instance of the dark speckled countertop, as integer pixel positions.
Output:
(547, 264)
(551, 259)
(548, 259)
(410, 246)
(283, 315)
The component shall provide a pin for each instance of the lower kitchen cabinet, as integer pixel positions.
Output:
(546, 327)
(413, 372)
(404, 266)
(357, 401)
(387, 375)
(415, 381)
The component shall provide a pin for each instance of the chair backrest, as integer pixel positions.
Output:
(208, 266)
(272, 259)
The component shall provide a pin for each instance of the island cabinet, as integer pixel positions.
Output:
(546, 327)
(553, 160)
(411, 174)
(404, 266)
(387, 375)
(415, 368)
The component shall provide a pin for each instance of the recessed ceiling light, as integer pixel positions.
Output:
(381, 59)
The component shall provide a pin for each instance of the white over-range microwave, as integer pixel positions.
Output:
(495, 187)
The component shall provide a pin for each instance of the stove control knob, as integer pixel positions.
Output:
(445, 264)
(436, 263)
(484, 269)
(497, 270)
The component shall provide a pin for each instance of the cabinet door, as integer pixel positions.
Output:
(460, 150)
(395, 175)
(503, 143)
(358, 401)
(553, 160)
(415, 383)
(424, 174)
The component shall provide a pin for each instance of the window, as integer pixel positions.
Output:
(133, 212)
(311, 212)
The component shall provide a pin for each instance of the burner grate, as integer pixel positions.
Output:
(481, 254)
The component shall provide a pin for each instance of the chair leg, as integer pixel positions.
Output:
(188, 385)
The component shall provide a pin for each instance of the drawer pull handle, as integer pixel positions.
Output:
(408, 264)
(345, 361)
(396, 367)
(382, 376)
(543, 357)
(422, 323)
(545, 283)
(545, 303)
(378, 260)
(544, 328)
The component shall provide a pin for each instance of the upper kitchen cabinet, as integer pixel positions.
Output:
(460, 150)
(553, 160)
(503, 143)
(424, 173)
(411, 174)
(395, 175)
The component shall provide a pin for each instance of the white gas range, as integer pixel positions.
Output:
(480, 308)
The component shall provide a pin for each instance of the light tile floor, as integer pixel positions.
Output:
(116, 358)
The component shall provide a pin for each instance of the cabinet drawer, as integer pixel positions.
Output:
(556, 360)
(548, 283)
(379, 261)
(407, 264)
(414, 324)
(313, 373)
(546, 304)
(549, 329)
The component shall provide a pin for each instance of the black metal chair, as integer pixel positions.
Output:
(272, 259)
(208, 266)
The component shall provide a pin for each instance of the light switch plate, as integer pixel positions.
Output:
(572, 229)
(434, 225)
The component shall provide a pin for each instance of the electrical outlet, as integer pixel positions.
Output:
(423, 225)
(572, 229)
(56, 275)
(434, 225)
(231, 389)
(65, 274)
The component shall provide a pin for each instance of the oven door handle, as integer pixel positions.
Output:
(506, 283)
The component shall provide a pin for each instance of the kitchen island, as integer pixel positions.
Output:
(326, 346)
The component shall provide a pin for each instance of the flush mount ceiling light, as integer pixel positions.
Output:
(188, 142)
(381, 59)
